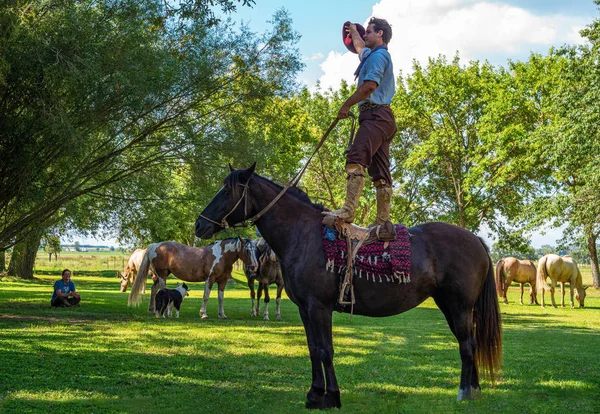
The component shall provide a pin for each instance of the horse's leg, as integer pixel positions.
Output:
(507, 283)
(258, 295)
(324, 391)
(267, 300)
(562, 292)
(207, 289)
(522, 288)
(252, 295)
(278, 301)
(572, 286)
(466, 341)
(221, 291)
(552, 290)
(158, 284)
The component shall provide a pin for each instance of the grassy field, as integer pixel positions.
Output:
(104, 357)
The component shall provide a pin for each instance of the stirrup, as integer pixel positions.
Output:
(346, 290)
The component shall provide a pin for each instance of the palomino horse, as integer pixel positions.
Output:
(448, 263)
(212, 263)
(269, 272)
(560, 270)
(510, 270)
(133, 264)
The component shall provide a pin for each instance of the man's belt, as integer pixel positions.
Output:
(369, 105)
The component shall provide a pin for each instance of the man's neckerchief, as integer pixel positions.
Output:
(362, 62)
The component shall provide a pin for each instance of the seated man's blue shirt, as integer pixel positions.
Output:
(378, 68)
(64, 288)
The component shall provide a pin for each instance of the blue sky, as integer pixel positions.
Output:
(481, 30)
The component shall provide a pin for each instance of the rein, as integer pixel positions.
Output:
(294, 181)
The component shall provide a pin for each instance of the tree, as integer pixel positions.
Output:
(470, 154)
(574, 147)
(52, 246)
(99, 92)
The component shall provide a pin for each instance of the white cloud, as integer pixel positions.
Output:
(478, 30)
(315, 56)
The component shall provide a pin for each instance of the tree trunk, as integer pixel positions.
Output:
(49, 257)
(591, 244)
(2, 260)
(23, 256)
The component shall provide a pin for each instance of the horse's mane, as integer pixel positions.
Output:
(233, 182)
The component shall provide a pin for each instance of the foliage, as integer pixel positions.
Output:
(52, 246)
(99, 93)
(129, 361)
(472, 158)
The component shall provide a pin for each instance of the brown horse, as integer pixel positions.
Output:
(269, 272)
(560, 270)
(133, 264)
(510, 270)
(448, 263)
(212, 263)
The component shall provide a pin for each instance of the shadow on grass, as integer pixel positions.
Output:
(128, 361)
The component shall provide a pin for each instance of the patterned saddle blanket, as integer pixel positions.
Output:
(379, 261)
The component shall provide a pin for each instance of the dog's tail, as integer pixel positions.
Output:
(135, 295)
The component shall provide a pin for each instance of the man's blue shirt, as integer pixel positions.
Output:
(378, 68)
(64, 288)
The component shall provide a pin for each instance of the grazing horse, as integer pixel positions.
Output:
(212, 263)
(269, 272)
(133, 265)
(448, 263)
(510, 270)
(560, 270)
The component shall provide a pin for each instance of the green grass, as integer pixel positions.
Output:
(105, 357)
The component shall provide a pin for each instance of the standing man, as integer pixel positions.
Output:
(64, 294)
(377, 126)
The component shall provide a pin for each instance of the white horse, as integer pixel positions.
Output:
(133, 265)
(560, 270)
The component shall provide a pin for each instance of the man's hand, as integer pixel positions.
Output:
(343, 112)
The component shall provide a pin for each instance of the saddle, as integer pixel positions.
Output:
(364, 236)
(356, 237)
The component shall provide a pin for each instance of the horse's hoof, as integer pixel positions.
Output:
(278, 318)
(205, 316)
(332, 400)
(222, 317)
(266, 318)
(314, 399)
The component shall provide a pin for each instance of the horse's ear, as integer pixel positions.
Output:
(230, 167)
(248, 173)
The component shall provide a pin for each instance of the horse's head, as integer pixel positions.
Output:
(228, 206)
(124, 280)
(580, 295)
(249, 254)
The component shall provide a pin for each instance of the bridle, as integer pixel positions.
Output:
(294, 181)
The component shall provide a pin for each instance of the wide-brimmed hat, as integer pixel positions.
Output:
(347, 37)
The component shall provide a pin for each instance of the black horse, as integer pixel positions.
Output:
(448, 263)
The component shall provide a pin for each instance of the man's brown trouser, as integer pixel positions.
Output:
(371, 146)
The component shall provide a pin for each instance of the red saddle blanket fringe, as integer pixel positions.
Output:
(373, 261)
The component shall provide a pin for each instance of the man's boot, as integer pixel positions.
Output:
(354, 186)
(384, 199)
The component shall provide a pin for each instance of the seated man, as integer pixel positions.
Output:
(64, 294)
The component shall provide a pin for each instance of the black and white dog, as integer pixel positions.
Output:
(166, 299)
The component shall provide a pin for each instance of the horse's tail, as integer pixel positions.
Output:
(488, 325)
(135, 294)
(500, 277)
(542, 274)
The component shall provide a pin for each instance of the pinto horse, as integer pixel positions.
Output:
(448, 263)
(269, 272)
(133, 264)
(212, 263)
(560, 270)
(510, 270)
